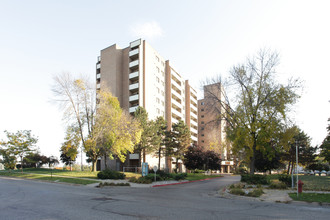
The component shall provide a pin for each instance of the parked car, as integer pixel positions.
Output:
(323, 173)
(328, 173)
(311, 172)
(316, 172)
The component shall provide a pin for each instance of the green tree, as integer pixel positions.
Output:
(177, 141)
(144, 145)
(115, 132)
(9, 158)
(69, 149)
(325, 147)
(35, 159)
(260, 107)
(158, 137)
(20, 143)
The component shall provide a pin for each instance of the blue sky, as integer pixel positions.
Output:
(201, 38)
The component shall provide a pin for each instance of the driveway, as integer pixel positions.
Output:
(25, 199)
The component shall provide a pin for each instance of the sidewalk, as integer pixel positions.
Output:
(272, 195)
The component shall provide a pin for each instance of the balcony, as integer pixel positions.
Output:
(193, 130)
(176, 112)
(98, 86)
(134, 64)
(175, 84)
(98, 76)
(174, 121)
(133, 87)
(134, 75)
(192, 122)
(135, 43)
(175, 93)
(133, 109)
(194, 138)
(98, 66)
(176, 103)
(193, 108)
(133, 53)
(133, 98)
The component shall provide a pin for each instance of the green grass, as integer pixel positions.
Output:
(199, 176)
(315, 183)
(47, 178)
(311, 197)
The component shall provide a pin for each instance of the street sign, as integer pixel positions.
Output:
(155, 169)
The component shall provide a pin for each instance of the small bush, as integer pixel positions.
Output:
(110, 174)
(241, 170)
(277, 185)
(255, 193)
(286, 179)
(179, 176)
(237, 191)
(151, 176)
(113, 184)
(141, 180)
(237, 185)
(255, 179)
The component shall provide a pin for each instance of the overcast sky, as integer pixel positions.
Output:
(201, 38)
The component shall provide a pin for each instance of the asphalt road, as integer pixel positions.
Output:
(25, 199)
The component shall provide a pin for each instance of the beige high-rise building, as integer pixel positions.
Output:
(139, 76)
(211, 125)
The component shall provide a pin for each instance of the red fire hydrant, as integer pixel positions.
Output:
(300, 186)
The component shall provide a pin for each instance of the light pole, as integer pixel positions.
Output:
(297, 165)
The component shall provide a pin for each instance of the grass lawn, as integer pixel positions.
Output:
(47, 178)
(200, 176)
(311, 197)
(315, 183)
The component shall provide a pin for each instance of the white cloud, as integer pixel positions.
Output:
(148, 30)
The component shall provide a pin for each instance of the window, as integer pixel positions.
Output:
(163, 83)
(202, 141)
(163, 64)
(158, 111)
(202, 116)
(157, 58)
(202, 135)
(202, 103)
(157, 100)
(163, 103)
(163, 74)
(202, 122)
(202, 128)
(157, 79)
(202, 109)
(162, 93)
(158, 90)
(157, 69)
(163, 114)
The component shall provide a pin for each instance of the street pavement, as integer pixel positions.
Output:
(26, 199)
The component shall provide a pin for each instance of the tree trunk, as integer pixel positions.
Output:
(159, 156)
(253, 158)
(94, 165)
(105, 161)
(70, 166)
(22, 164)
(144, 155)
(288, 171)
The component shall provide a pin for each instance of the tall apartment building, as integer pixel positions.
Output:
(211, 127)
(139, 76)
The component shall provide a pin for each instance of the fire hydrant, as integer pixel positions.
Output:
(300, 186)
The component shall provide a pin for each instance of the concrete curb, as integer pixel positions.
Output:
(170, 184)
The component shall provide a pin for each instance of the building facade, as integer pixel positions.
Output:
(211, 124)
(139, 76)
